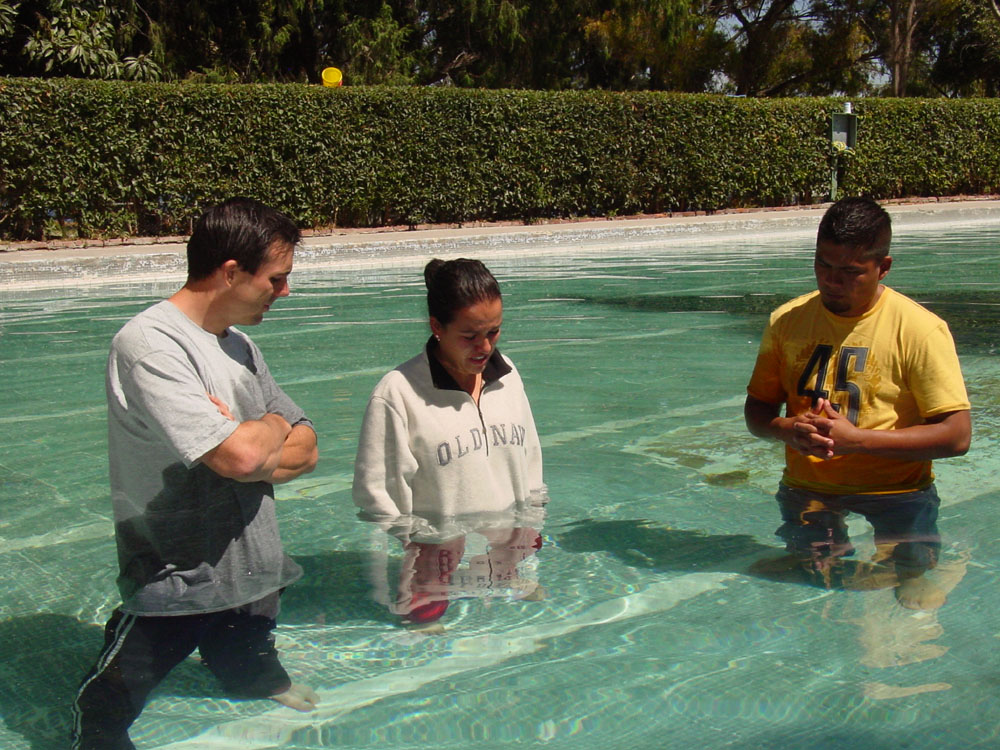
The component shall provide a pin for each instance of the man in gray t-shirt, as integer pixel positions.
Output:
(198, 432)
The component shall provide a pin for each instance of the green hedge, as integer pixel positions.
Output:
(127, 159)
(925, 147)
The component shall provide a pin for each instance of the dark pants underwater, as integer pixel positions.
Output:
(905, 526)
(237, 645)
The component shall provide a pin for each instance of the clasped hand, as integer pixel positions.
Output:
(822, 431)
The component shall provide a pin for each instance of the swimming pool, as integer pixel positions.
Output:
(650, 633)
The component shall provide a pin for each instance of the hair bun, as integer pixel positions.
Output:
(455, 284)
(431, 270)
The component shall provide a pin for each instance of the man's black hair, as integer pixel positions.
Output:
(859, 223)
(241, 229)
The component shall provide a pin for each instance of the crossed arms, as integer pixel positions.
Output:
(266, 449)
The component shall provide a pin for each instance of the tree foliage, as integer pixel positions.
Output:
(743, 47)
(83, 38)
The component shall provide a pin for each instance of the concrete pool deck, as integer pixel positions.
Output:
(87, 262)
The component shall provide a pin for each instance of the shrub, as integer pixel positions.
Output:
(113, 158)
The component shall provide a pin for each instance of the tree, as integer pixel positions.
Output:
(245, 40)
(909, 38)
(764, 28)
(58, 37)
(373, 41)
(475, 42)
(966, 59)
(664, 44)
(746, 47)
(241, 40)
(790, 47)
(903, 17)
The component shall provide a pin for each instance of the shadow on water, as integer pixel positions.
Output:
(971, 315)
(742, 304)
(43, 658)
(335, 589)
(643, 544)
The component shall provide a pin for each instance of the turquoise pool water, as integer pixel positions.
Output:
(647, 631)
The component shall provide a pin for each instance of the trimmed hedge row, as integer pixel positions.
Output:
(128, 159)
(926, 147)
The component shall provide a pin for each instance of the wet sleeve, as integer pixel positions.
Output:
(384, 467)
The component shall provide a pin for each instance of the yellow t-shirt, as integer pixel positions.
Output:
(891, 368)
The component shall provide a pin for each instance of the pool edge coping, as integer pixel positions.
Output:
(39, 268)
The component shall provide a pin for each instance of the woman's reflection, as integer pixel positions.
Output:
(485, 563)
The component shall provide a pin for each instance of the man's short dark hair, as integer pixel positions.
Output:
(240, 229)
(859, 223)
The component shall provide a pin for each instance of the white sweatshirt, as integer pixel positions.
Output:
(427, 449)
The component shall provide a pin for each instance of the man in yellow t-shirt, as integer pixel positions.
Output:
(872, 392)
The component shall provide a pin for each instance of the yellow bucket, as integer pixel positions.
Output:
(332, 77)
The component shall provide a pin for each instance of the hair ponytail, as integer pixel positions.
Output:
(453, 285)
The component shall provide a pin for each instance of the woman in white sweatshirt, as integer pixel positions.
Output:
(450, 432)
(448, 446)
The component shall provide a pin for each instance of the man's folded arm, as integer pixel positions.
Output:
(252, 452)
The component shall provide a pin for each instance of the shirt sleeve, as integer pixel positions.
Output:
(533, 458)
(384, 468)
(937, 383)
(765, 382)
(165, 395)
(276, 401)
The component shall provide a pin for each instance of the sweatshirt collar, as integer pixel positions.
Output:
(496, 368)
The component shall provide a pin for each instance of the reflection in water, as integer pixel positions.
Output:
(475, 556)
(892, 637)
(907, 543)
(889, 635)
(904, 582)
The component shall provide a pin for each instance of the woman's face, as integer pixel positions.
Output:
(467, 342)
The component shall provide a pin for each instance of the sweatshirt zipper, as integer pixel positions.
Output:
(482, 421)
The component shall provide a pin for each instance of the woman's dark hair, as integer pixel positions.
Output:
(240, 229)
(456, 284)
(858, 223)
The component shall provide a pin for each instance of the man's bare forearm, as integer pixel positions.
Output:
(298, 455)
(252, 452)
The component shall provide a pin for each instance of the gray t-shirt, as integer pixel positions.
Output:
(189, 541)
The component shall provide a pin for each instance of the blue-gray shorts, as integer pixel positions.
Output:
(815, 524)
